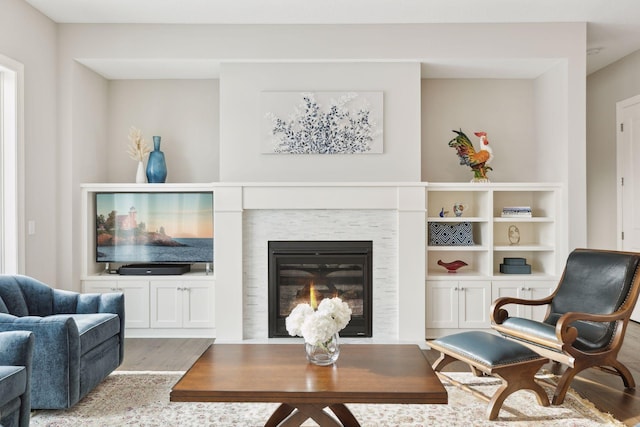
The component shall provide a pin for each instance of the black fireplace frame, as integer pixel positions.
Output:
(309, 250)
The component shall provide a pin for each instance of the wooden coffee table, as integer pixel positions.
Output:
(364, 373)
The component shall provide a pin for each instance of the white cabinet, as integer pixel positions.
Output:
(525, 289)
(181, 304)
(136, 299)
(454, 304)
(165, 306)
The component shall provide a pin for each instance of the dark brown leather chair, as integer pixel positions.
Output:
(587, 315)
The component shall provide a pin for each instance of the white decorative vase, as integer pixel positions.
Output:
(323, 354)
(141, 176)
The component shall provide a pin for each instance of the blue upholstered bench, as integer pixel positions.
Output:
(489, 354)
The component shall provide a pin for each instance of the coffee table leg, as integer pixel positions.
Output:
(290, 415)
(344, 415)
(279, 414)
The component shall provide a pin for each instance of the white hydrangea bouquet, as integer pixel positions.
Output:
(317, 327)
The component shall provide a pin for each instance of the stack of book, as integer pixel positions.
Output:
(516, 211)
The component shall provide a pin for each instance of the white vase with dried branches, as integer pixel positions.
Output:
(138, 149)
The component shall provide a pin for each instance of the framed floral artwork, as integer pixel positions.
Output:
(322, 122)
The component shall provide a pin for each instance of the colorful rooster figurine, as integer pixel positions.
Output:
(453, 265)
(478, 161)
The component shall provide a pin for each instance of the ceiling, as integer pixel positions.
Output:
(613, 26)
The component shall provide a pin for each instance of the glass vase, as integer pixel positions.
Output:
(156, 166)
(323, 354)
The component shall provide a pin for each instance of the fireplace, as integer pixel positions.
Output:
(324, 269)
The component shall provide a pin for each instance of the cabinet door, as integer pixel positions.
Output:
(136, 299)
(136, 303)
(474, 298)
(99, 286)
(514, 289)
(197, 305)
(166, 304)
(442, 304)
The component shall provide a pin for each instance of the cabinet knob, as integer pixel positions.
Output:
(455, 289)
(462, 289)
(523, 288)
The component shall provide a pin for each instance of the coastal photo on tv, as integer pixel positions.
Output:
(154, 227)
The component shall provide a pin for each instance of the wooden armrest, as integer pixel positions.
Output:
(498, 314)
(567, 334)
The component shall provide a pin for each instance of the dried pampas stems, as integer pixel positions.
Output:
(138, 147)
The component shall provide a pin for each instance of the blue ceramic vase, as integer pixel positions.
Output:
(156, 166)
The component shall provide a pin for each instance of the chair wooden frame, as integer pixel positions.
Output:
(561, 349)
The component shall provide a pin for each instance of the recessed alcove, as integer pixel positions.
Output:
(487, 62)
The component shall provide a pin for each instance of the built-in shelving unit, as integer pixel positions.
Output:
(461, 300)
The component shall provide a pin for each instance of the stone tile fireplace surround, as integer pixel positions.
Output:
(248, 216)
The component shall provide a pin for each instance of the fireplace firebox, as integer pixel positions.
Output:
(302, 270)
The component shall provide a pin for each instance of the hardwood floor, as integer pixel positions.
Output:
(604, 390)
(162, 354)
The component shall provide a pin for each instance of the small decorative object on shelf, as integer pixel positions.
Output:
(478, 161)
(458, 209)
(450, 234)
(453, 266)
(515, 266)
(320, 328)
(443, 213)
(138, 149)
(514, 235)
(156, 166)
(516, 212)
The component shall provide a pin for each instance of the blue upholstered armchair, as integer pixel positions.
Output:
(16, 353)
(79, 338)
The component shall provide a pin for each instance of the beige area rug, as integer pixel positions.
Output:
(142, 399)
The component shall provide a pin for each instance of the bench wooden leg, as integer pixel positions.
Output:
(515, 378)
(442, 361)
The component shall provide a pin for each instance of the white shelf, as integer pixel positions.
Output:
(523, 248)
(443, 248)
(457, 219)
(459, 274)
(523, 219)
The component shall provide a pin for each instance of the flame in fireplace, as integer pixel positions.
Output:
(313, 301)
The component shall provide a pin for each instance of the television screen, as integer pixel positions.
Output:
(154, 227)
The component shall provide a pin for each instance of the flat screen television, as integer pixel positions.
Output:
(154, 227)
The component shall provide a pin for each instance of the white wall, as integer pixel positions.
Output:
(185, 113)
(618, 81)
(502, 108)
(30, 38)
(553, 149)
(89, 128)
(242, 125)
